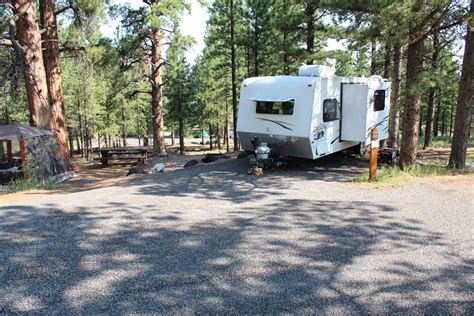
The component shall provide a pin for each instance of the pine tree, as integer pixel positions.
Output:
(178, 90)
(29, 41)
(224, 31)
(462, 124)
(147, 27)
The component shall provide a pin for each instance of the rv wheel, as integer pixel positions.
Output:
(360, 149)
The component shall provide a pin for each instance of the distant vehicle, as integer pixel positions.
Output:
(231, 134)
(200, 134)
(313, 114)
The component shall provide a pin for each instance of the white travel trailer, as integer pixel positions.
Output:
(313, 114)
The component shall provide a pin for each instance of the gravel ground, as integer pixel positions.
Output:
(213, 239)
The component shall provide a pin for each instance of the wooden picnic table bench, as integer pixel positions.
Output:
(123, 155)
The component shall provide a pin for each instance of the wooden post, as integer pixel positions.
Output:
(374, 146)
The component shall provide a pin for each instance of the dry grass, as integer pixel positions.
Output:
(432, 165)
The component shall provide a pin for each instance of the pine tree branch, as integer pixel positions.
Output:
(136, 92)
(62, 10)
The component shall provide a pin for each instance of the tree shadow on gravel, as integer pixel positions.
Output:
(228, 180)
(291, 255)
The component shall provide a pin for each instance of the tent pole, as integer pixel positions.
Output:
(22, 151)
(68, 158)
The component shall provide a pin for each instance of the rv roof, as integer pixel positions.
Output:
(271, 99)
(290, 80)
(270, 80)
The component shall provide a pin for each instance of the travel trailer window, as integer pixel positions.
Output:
(330, 110)
(270, 107)
(379, 100)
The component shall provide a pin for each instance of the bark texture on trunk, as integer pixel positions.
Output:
(394, 118)
(157, 94)
(387, 60)
(29, 37)
(181, 135)
(463, 117)
(52, 64)
(411, 115)
(234, 74)
(432, 94)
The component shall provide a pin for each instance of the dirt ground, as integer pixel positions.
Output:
(91, 175)
(441, 154)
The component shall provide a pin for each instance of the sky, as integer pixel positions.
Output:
(193, 24)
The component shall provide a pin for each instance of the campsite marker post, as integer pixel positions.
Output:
(374, 145)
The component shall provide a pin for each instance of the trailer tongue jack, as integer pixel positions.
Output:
(263, 158)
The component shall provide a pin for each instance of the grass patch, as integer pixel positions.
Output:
(19, 185)
(393, 176)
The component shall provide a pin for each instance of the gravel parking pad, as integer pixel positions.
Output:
(212, 239)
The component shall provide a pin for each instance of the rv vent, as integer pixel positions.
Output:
(316, 71)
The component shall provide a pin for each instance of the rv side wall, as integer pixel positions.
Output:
(316, 126)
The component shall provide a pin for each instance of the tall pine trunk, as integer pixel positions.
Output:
(432, 93)
(255, 48)
(29, 37)
(387, 60)
(157, 94)
(310, 10)
(436, 121)
(181, 116)
(394, 117)
(226, 127)
(181, 134)
(218, 137)
(71, 141)
(124, 127)
(463, 118)
(451, 120)
(234, 73)
(411, 115)
(373, 56)
(210, 138)
(52, 64)
(173, 137)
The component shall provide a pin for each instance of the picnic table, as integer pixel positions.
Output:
(123, 155)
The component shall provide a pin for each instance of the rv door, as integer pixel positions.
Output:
(354, 104)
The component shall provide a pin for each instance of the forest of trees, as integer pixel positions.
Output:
(57, 71)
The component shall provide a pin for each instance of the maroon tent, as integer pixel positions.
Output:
(38, 151)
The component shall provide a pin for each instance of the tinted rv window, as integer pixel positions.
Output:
(379, 100)
(269, 107)
(330, 110)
